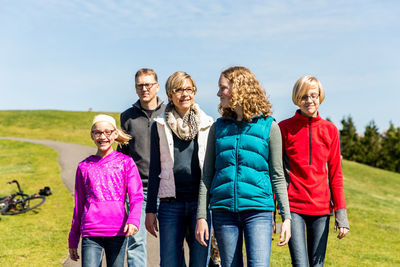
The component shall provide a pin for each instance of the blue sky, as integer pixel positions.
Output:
(76, 55)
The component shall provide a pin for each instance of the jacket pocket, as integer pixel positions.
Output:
(105, 214)
(167, 184)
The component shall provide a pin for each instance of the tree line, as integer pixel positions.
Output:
(381, 150)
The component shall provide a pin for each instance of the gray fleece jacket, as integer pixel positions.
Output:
(137, 123)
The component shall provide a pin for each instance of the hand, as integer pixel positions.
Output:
(151, 224)
(73, 254)
(130, 229)
(202, 232)
(286, 233)
(342, 231)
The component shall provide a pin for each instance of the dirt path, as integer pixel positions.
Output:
(69, 155)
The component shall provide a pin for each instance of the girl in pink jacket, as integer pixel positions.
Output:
(101, 185)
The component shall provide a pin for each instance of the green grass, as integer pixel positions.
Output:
(373, 199)
(38, 237)
(65, 126)
(373, 206)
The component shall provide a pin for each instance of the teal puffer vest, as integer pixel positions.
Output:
(241, 181)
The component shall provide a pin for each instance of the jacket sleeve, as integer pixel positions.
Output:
(278, 181)
(154, 172)
(80, 199)
(122, 121)
(135, 193)
(285, 159)
(335, 173)
(207, 175)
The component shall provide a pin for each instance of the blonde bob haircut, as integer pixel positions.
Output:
(303, 85)
(247, 93)
(122, 137)
(176, 80)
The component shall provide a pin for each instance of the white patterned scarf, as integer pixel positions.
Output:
(185, 128)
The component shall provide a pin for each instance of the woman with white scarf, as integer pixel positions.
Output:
(178, 143)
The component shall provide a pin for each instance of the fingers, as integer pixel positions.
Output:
(342, 232)
(130, 229)
(155, 226)
(202, 236)
(284, 238)
(135, 230)
(206, 234)
(151, 224)
(73, 254)
(202, 232)
(285, 233)
(151, 230)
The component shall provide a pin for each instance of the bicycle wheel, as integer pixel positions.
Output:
(16, 205)
(3, 203)
(33, 202)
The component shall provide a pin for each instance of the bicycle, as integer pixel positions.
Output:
(20, 202)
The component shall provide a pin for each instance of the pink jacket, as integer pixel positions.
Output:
(101, 185)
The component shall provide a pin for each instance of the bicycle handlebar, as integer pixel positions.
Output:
(15, 181)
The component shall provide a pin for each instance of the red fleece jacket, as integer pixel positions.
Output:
(311, 155)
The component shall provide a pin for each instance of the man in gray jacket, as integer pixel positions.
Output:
(137, 121)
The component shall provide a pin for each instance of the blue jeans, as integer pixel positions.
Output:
(137, 249)
(93, 247)
(177, 220)
(308, 251)
(256, 226)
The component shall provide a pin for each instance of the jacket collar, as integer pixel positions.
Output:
(138, 106)
(253, 119)
(109, 157)
(302, 118)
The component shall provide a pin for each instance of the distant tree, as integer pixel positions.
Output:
(349, 140)
(390, 152)
(370, 145)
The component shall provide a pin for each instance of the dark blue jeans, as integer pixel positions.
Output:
(177, 220)
(93, 247)
(256, 226)
(310, 250)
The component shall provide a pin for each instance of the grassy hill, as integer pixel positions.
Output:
(65, 126)
(39, 239)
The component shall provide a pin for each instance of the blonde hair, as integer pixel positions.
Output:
(176, 80)
(303, 85)
(122, 137)
(246, 93)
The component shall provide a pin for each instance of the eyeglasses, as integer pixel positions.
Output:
(313, 97)
(147, 85)
(107, 133)
(180, 91)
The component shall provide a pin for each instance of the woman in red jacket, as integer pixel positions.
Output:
(311, 156)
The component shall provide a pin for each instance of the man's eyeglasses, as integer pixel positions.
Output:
(313, 97)
(147, 85)
(180, 91)
(107, 133)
